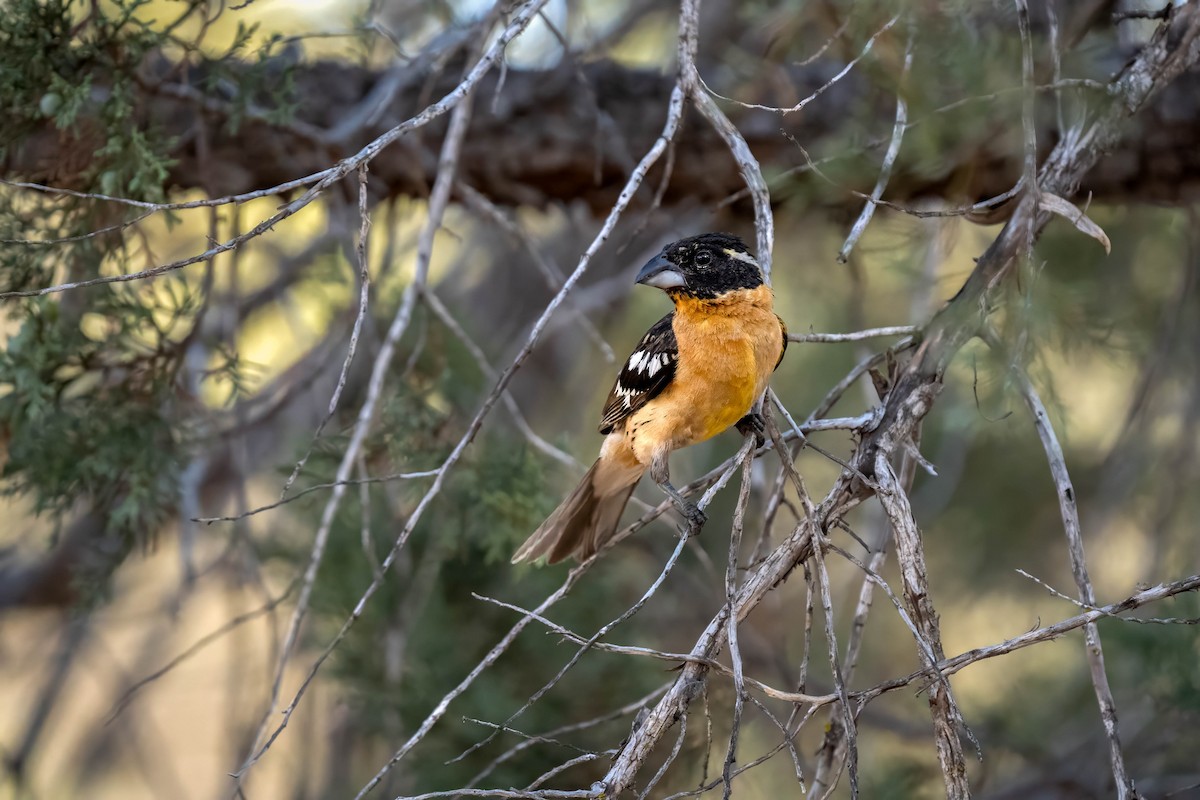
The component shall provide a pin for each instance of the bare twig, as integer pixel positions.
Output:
(1086, 607)
(441, 312)
(1029, 175)
(549, 271)
(1087, 594)
(735, 653)
(551, 736)
(196, 647)
(889, 158)
(364, 283)
(439, 199)
(822, 89)
(395, 476)
(910, 553)
(670, 759)
(855, 336)
(764, 220)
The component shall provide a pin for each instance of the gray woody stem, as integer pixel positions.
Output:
(1173, 49)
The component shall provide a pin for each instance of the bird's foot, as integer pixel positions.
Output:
(753, 423)
(694, 516)
(690, 511)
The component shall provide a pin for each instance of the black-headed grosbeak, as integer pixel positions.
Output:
(696, 372)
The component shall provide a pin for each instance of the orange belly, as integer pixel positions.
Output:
(727, 352)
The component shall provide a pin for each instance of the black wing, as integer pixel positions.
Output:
(645, 374)
(783, 351)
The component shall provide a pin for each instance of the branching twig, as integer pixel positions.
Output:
(1087, 595)
(674, 116)
(822, 89)
(364, 283)
(439, 199)
(731, 573)
(889, 158)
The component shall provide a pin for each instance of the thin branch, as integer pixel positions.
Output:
(441, 312)
(549, 271)
(1030, 173)
(1086, 607)
(563, 767)
(670, 759)
(751, 172)
(1087, 594)
(635, 180)
(889, 158)
(439, 199)
(822, 89)
(735, 653)
(364, 282)
(201, 643)
(395, 476)
(551, 736)
(855, 336)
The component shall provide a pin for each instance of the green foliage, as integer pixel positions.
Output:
(1161, 659)
(265, 78)
(424, 629)
(88, 395)
(51, 53)
(900, 779)
(89, 419)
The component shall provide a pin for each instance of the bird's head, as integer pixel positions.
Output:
(705, 267)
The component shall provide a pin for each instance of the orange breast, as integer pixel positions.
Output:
(727, 350)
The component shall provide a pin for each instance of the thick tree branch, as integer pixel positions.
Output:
(1153, 161)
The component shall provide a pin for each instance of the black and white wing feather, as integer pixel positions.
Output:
(645, 374)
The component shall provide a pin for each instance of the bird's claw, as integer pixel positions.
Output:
(694, 516)
(753, 423)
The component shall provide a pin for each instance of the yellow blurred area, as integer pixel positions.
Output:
(279, 332)
(173, 731)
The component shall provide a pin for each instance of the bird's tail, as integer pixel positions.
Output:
(587, 518)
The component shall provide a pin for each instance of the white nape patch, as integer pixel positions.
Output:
(744, 257)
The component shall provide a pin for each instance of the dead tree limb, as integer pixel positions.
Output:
(1173, 49)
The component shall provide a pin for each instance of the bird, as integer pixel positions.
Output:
(699, 370)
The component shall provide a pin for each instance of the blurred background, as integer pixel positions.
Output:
(140, 639)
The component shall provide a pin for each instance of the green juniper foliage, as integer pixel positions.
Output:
(424, 629)
(89, 409)
(91, 398)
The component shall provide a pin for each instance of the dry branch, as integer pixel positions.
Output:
(1172, 51)
(1087, 594)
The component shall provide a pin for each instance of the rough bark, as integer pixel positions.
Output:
(566, 134)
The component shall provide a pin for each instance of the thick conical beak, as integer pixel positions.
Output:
(661, 274)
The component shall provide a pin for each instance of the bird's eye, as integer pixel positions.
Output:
(703, 258)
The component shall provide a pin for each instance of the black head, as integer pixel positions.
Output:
(704, 266)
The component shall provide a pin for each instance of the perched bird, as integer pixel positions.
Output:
(697, 371)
